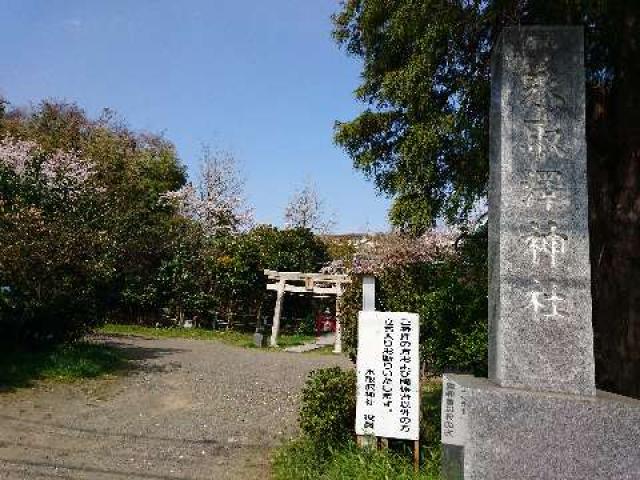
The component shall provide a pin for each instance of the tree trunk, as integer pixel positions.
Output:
(614, 177)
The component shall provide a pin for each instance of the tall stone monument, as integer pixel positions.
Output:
(540, 298)
(538, 416)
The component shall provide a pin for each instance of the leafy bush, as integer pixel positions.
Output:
(327, 412)
(307, 326)
(326, 450)
(49, 254)
(81, 230)
(63, 314)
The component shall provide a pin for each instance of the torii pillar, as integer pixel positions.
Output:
(337, 346)
(275, 327)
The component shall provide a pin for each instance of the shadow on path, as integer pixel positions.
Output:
(104, 433)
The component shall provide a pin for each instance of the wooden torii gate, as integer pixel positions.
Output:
(313, 283)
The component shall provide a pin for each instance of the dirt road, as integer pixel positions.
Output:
(189, 409)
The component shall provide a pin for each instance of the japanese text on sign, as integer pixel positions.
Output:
(454, 412)
(388, 375)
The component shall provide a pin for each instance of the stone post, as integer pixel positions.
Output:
(540, 329)
(368, 293)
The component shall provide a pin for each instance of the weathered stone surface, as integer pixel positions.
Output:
(452, 462)
(540, 329)
(514, 434)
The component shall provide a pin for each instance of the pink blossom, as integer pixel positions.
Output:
(66, 167)
(217, 203)
(380, 252)
(18, 154)
(60, 170)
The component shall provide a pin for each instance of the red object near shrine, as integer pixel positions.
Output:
(325, 323)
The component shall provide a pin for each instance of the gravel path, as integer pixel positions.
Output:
(189, 410)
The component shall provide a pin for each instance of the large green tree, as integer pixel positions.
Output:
(423, 137)
(121, 229)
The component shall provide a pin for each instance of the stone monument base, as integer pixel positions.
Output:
(510, 434)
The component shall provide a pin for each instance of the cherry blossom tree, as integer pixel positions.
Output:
(380, 253)
(17, 155)
(217, 201)
(66, 174)
(51, 254)
(306, 209)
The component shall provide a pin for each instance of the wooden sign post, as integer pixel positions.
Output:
(388, 374)
(368, 305)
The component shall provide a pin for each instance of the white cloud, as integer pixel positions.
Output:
(73, 23)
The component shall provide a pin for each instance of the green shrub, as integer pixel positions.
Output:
(326, 450)
(327, 413)
(307, 326)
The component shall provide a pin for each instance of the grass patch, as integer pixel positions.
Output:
(229, 337)
(430, 405)
(301, 459)
(326, 350)
(64, 363)
(292, 340)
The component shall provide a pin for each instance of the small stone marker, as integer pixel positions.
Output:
(539, 415)
(455, 429)
(388, 371)
(259, 338)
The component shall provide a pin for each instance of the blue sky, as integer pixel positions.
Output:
(262, 79)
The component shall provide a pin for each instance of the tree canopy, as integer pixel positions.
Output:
(423, 136)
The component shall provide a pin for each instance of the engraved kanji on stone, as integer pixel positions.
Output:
(541, 93)
(546, 187)
(548, 242)
(547, 304)
(544, 140)
(543, 103)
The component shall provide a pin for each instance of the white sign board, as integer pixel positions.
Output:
(454, 412)
(388, 402)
